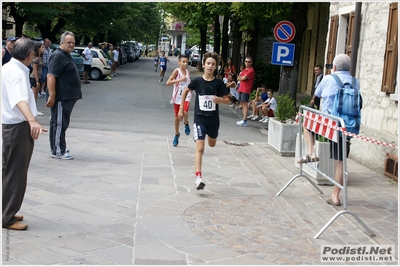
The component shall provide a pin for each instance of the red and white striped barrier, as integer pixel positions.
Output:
(328, 128)
(321, 125)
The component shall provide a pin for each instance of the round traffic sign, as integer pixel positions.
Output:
(284, 31)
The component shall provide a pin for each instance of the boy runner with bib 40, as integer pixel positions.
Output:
(210, 92)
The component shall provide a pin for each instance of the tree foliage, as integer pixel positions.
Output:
(144, 21)
(114, 21)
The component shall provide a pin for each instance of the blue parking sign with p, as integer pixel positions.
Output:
(283, 54)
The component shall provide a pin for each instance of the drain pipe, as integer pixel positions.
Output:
(355, 39)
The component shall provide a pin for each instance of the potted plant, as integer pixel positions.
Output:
(282, 129)
(286, 107)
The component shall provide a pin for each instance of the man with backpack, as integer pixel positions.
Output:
(327, 90)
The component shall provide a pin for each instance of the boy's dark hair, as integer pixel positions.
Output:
(182, 56)
(270, 90)
(214, 55)
(264, 86)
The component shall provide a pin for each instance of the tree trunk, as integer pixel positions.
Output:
(48, 32)
(203, 42)
(18, 19)
(225, 38)
(86, 40)
(217, 35)
(289, 75)
(252, 45)
(237, 41)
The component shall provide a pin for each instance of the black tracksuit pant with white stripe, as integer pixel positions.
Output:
(59, 122)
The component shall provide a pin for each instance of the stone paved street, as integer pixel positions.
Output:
(130, 199)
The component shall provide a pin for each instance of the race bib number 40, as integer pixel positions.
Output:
(206, 103)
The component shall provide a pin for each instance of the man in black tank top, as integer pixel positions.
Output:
(7, 50)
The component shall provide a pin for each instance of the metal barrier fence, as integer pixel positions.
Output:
(326, 125)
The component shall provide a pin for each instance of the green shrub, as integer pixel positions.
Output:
(305, 102)
(286, 107)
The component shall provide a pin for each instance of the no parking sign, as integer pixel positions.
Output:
(284, 31)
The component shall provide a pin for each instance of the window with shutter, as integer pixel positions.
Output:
(349, 33)
(390, 61)
(332, 41)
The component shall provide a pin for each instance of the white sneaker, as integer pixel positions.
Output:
(265, 120)
(199, 183)
(254, 118)
(242, 123)
(39, 113)
(250, 116)
(261, 119)
(66, 156)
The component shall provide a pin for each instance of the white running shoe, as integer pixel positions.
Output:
(66, 156)
(242, 123)
(254, 118)
(199, 183)
(265, 120)
(262, 119)
(250, 116)
(39, 113)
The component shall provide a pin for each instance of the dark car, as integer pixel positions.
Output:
(78, 59)
(130, 52)
(177, 52)
(136, 48)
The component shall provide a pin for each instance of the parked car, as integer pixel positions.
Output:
(130, 52)
(136, 47)
(194, 57)
(122, 59)
(100, 68)
(176, 52)
(78, 59)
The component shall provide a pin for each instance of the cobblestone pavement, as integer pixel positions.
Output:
(121, 205)
(129, 199)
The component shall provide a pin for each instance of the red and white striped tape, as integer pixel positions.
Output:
(321, 125)
(329, 128)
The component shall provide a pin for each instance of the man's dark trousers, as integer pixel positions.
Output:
(59, 122)
(17, 152)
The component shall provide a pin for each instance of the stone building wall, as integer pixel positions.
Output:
(379, 113)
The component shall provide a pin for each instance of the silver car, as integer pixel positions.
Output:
(194, 57)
